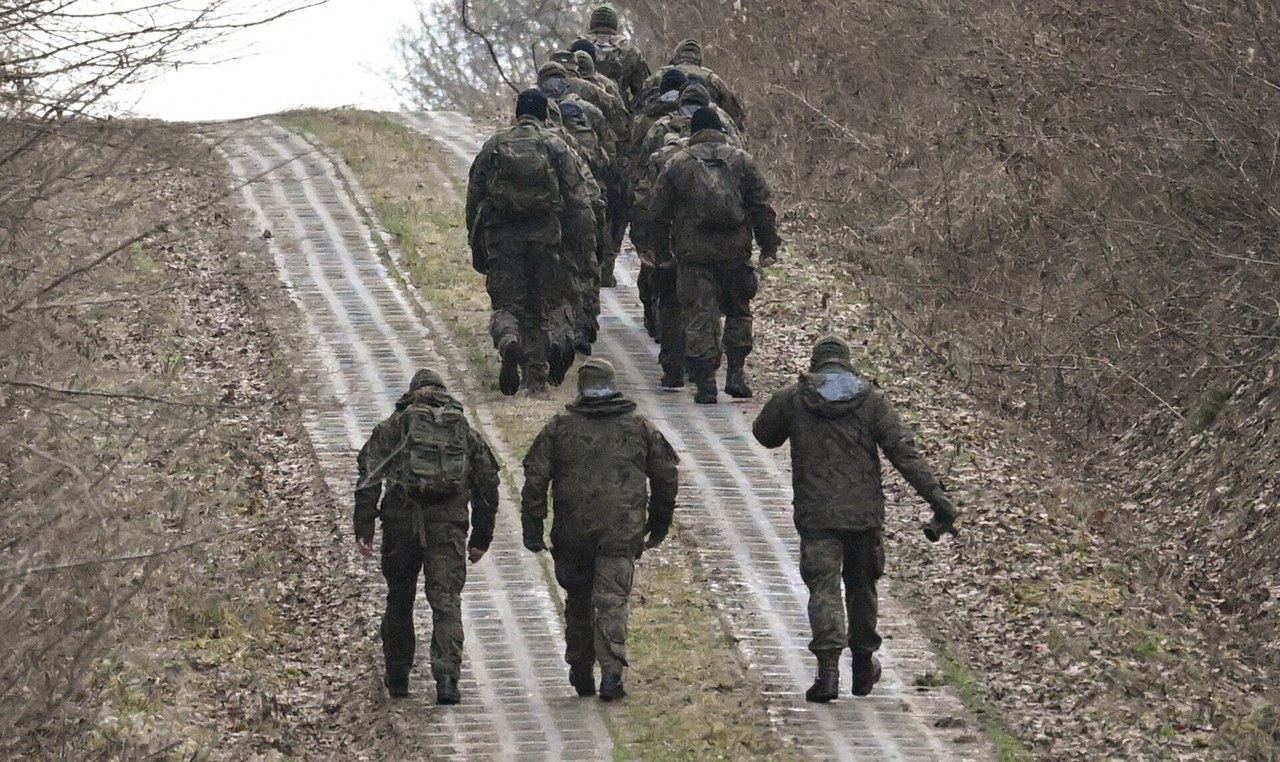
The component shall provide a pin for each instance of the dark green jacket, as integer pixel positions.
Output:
(837, 425)
(601, 458)
(675, 203)
(398, 507)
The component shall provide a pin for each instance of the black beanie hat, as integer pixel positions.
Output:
(532, 102)
(705, 119)
(586, 45)
(673, 79)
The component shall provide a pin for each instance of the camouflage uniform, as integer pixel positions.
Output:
(688, 59)
(619, 59)
(660, 276)
(713, 270)
(837, 424)
(600, 458)
(521, 259)
(430, 537)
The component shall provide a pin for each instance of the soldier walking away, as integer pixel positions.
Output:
(524, 187)
(433, 464)
(612, 477)
(708, 203)
(838, 423)
(616, 57)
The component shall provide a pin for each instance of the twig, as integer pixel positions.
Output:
(493, 53)
(106, 395)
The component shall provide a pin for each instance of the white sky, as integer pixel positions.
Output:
(336, 54)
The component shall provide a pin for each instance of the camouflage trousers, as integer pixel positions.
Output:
(526, 291)
(443, 563)
(666, 296)
(707, 292)
(597, 591)
(827, 557)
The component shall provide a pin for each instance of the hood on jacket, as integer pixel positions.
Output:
(601, 407)
(435, 396)
(687, 51)
(832, 391)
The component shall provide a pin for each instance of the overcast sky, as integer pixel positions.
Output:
(337, 54)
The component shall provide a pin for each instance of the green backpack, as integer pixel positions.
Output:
(433, 459)
(608, 57)
(522, 183)
(715, 194)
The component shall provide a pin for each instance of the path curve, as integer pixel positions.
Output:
(736, 504)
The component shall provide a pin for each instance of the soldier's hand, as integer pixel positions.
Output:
(768, 260)
(475, 554)
(364, 545)
(532, 537)
(656, 536)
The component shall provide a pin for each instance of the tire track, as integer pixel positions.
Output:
(736, 503)
(368, 340)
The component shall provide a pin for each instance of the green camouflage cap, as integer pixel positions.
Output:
(565, 59)
(597, 379)
(687, 51)
(551, 69)
(426, 377)
(604, 17)
(828, 350)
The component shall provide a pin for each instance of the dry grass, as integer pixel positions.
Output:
(690, 698)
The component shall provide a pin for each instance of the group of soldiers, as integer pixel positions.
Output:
(600, 145)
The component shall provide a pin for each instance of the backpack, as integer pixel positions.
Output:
(433, 458)
(608, 57)
(716, 195)
(522, 183)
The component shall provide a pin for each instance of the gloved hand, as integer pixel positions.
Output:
(945, 515)
(768, 258)
(656, 536)
(533, 536)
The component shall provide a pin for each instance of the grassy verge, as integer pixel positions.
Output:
(690, 697)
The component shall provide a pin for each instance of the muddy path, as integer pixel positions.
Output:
(736, 505)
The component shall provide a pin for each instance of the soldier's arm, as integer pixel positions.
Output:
(484, 493)
(729, 101)
(537, 475)
(664, 481)
(367, 495)
(477, 180)
(569, 173)
(772, 426)
(899, 445)
(757, 199)
(661, 208)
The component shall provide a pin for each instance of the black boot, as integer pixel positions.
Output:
(735, 378)
(397, 682)
(826, 686)
(866, 673)
(447, 691)
(509, 375)
(611, 687)
(582, 339)
(583, 680)
(672, 379)
(706, 393)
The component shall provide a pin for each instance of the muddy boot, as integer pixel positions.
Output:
(704, 377)
(611, 687)
(735, 378)
(826, 686)
(447, 691)
(559, 360)
(866, 673)
(535, 378)
(583, 680)
(397, 682)
(672, 379)
(582, 339)
(509, 374)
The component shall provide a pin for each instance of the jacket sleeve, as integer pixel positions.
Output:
(537, 475)
(367, 497)
(664, 481)
(569, 173)
(899, 446)
(477, 182)
(772, 426)
(729, 101)
(758, 201)
(484, 492)
(662, 206)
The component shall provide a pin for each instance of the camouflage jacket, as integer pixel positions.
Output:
(837, 425)
(675, 203)
(721, 95)
(399, 507)
(600, 458)
(631, 71)
(574, 194)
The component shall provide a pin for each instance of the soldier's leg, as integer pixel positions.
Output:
(575, 573)
(446, 572)
(699, 294)
(401, 562)
(610, 598)
(542, 297)
(504, 280)
(644, 285)
(738, 286)
(821, 556)
(863, 565)
(671, 352)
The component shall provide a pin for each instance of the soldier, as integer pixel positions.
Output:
(434, 464)
(585, 55)
(604, 463)
(664, 295)
(837, 423)
(708, 203)
(524, 187)
(616, 58)
(688, 59)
